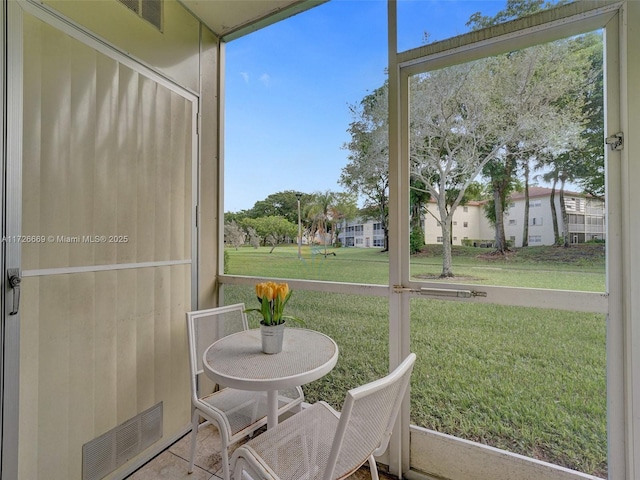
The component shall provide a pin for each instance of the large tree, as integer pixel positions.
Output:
(589, 173)
(514, 9)
(272, 229)
(455, 129)
(280, 204)
(540, 88)
(319, 213)
(367, 172)
(234, 234)
(576, 154)
(343, 209)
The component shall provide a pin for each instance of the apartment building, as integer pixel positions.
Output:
(362, 233)
(469, 223)
(586, 216)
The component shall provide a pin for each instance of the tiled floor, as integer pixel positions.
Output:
(172, 464)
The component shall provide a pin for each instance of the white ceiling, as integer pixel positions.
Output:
(231, 19)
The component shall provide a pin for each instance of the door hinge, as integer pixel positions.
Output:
(616, 142)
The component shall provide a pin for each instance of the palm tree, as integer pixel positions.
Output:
(344, 208)
(318, 211)
(564, 169)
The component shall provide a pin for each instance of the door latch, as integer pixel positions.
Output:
(616, 142)
(14, 283)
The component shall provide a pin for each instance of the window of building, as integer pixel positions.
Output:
(535, 239)
(465, 209)
(535, 221)
(512, 222)
(439, 239)
(455, 223)
(465, 224)
(535, 203)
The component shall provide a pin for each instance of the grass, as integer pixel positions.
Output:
(577, 268)
(531, 381)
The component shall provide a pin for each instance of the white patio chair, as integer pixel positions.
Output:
(322, 444)
(236, 413)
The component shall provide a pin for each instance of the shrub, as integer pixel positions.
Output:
(416, 241)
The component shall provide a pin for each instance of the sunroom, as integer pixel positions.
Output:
(113, 225)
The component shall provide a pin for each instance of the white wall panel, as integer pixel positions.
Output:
(108, 153)
(173, 51)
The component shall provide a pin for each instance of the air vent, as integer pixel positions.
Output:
(104, 454)
(150, 10)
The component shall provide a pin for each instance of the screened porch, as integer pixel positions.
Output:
(114, 169)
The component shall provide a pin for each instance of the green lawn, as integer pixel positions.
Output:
(577, 268)
(531, 381)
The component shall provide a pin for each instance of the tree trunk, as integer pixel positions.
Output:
(384, 219)
(500, 185)
(565, 217)
(324, 239)
(445, 225)
(525, 229)
(416, 208)
(447, 267)
(500, 245)
(554, 214)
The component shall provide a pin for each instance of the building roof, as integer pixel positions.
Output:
(534, 192)
(543, 192)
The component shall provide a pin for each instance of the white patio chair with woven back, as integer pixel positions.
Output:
(236, 413)
(322, 444)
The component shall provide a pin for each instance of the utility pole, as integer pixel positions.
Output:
(298, 195)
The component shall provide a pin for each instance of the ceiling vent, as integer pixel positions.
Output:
(104, 454)
(150, 10)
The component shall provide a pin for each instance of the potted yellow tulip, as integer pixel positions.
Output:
(273, 298)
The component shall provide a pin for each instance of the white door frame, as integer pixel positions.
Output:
(11, 86)
(405, 64)
(12, 206)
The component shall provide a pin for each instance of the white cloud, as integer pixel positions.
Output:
(245, 76)
(265, 79)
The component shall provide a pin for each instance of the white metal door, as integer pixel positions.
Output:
(101, 218)
(607, 303)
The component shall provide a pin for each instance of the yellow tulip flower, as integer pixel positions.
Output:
(283, 291)
(273, 297)
(270, 291)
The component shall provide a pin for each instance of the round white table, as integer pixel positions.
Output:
(237, 361)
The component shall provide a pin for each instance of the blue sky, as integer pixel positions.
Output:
(289, 87)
